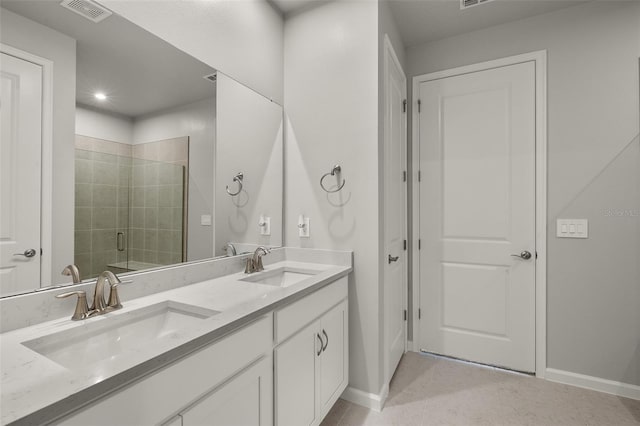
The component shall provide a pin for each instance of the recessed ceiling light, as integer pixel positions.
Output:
(100, 96)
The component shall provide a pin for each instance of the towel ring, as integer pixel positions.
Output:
(237, 178)
(335, 171)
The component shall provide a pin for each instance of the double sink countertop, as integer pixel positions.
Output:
(84, 360)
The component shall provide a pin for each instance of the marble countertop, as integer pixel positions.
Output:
(35, 389)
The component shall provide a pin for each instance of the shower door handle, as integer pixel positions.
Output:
(120, 241)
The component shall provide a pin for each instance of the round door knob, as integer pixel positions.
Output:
(526, 255)
(26, 253)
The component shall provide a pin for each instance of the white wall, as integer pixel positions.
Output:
(249, 140)
(102, 125)
(42, 41)
(593, 285)
(331, 105)
(243, 39)
(198, 121)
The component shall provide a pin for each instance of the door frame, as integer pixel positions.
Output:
(46, 177)
(391, 57)
(539, 58)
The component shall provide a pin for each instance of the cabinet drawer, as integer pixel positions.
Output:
(292, 318)
(155, 398)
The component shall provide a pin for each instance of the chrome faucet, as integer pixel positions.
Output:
(99, 306)
(254, 263)
(72, 270)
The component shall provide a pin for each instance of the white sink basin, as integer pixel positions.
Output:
(281, 277)
(91, 342)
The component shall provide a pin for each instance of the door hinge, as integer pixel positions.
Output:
(43, 252)
(404, 176)
(404, 244)
(419, 105)
(419, 176)
(536, 255)
(404, 105)
(405, 314)
(419, 243)
(419, 313)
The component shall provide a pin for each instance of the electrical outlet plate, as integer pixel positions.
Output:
(205, 220)
(572, 228)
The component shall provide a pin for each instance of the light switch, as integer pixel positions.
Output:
(572, 228)
(265, 225)
(303, 227)
(205, 220)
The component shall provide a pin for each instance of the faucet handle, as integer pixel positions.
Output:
(114, 298)
(82, 308)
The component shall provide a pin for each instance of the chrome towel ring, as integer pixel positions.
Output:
(334, 172)
(237, 178)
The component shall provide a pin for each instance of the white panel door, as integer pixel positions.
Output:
(477, 209)
(20, 171)
(395, 201)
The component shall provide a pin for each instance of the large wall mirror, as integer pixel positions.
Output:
(155, 159)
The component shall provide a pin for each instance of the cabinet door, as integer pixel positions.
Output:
(333, 361)
(246, 399)
(295, 378)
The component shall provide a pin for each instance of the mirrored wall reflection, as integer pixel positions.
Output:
(131, 204)
(152, 157)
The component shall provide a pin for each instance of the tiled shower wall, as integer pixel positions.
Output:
(136, 190)
(103, 170)
(158, 203)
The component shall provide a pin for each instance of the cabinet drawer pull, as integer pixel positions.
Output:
(321, 344)
(324, 348)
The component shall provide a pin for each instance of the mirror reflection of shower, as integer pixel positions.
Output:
(131, 204)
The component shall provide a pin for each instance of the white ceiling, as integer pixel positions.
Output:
(422, 21)
(139, 72)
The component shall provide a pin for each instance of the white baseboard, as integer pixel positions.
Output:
(368, 400)
(594, 383)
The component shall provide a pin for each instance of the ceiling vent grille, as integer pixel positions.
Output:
(466, 4)
(87, 8)
(211, 77)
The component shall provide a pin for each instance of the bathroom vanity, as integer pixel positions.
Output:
(264, 348)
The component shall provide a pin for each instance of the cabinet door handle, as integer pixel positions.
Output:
(324, 348)
(321, 344)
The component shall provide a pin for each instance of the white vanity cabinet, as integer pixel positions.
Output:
(286, 368)
(243, 400)
(311, 357)
(231, 379)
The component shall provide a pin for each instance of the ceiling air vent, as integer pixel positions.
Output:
(211, 77)
(87, 8)
(465, 4)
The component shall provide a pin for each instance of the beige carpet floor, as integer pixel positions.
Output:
(429, 390)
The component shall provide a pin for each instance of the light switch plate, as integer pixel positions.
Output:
(304, 231)
(205, 220)
(266, 228)
(572, 228)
